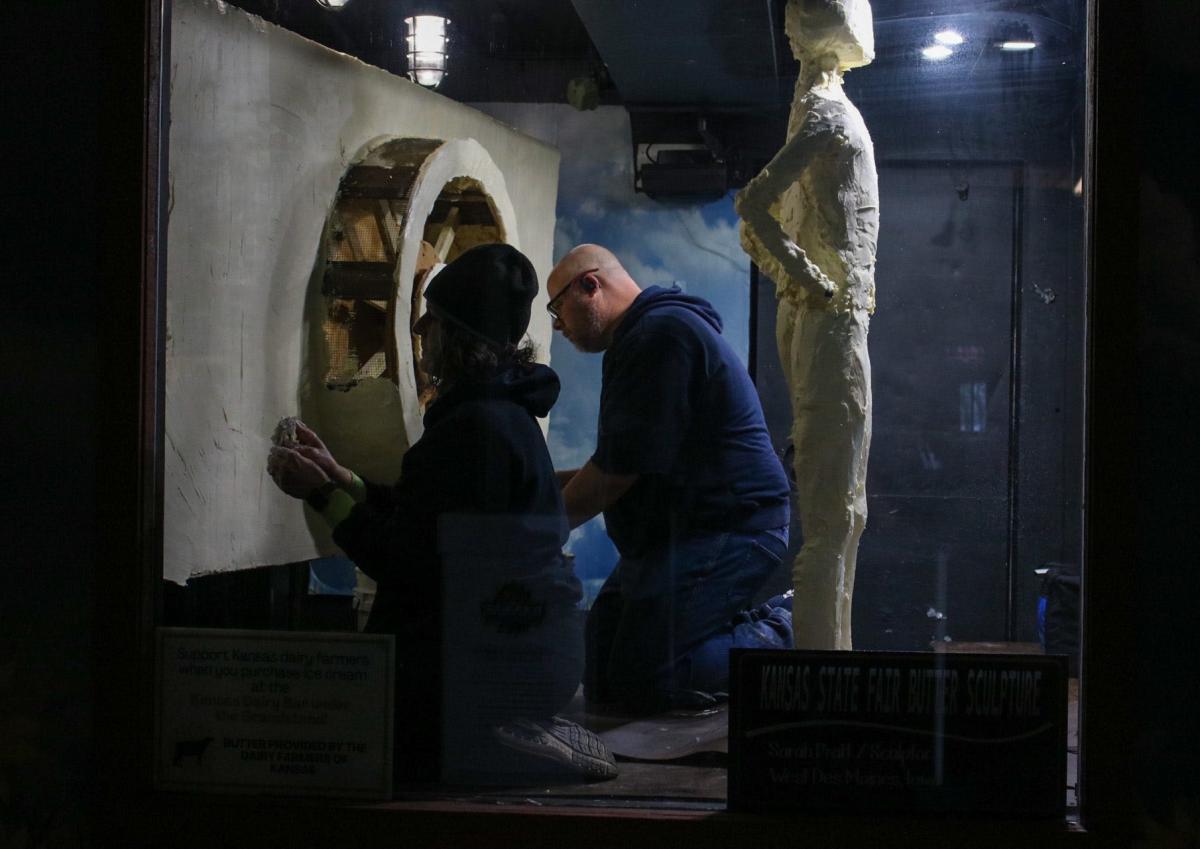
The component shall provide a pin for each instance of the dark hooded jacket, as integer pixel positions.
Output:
(678, 409)
(482, 455)
(479, 487)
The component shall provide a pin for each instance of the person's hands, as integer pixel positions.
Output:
(294, 473)
(312, 448)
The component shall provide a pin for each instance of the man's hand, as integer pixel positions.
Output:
(591, 491)
(312, 448)
(294, 473)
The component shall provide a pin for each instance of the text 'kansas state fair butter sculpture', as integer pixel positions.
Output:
(810, 221)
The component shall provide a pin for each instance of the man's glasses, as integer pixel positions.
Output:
(552, 306)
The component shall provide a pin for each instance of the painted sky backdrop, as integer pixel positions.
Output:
(693, 245)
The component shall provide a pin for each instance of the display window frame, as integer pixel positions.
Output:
(129, 559)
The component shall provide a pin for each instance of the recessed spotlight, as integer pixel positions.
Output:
(937, 52)
(1018, 45)
(948, 37)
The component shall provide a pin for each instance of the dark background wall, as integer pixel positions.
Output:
(54, 392)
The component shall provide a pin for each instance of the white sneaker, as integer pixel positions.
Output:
(562, 742)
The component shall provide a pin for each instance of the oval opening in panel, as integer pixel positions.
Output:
(405, 209)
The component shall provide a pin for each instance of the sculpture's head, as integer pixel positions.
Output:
(843, 28)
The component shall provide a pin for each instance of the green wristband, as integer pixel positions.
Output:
(356, 489)
(339, 507)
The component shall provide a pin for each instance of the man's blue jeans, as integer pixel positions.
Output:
(664, 622)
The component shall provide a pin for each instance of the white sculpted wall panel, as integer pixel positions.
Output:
(264, 127)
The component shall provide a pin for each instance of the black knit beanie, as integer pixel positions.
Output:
(487, 291)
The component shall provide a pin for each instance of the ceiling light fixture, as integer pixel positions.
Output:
(937, 52)
(1018, 45)
(427, 39)
(948, 37)
(334, 5)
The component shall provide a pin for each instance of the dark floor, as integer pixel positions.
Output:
(679, 759)
(639, 784)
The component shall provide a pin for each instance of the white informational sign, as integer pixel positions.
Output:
(278, 712)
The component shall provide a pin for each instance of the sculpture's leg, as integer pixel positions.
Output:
(858, 511)
(829, 375)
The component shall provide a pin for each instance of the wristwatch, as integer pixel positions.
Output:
(318, 499)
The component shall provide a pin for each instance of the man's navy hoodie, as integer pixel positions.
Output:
(678, 409)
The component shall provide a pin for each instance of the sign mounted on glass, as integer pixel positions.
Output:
(277, 712)
(829, 731)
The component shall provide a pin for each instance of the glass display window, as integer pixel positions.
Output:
(317, 191)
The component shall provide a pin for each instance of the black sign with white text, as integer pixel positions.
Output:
(891, 731)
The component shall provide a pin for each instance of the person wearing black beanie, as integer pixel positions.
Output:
(466, 548)
(477, 312)
(487, 292)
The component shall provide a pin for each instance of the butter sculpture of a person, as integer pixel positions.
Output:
(810, 221)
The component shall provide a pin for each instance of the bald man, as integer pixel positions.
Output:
(693, 495)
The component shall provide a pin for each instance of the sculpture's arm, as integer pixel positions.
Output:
(762, 236)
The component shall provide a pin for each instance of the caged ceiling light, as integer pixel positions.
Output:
(427, 40)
